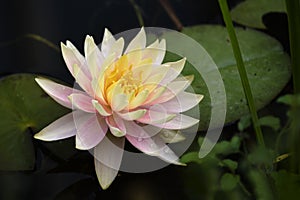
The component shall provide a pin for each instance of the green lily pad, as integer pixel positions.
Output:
(267, 65)
(250, 12)
(25, 109)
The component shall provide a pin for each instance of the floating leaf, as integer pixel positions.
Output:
(251, 12)
(24, 110)
(268, 69)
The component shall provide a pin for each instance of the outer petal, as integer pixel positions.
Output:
(156, 51)
(156, 117)
(102, 109)
(107, 41)
(172, 89)
(175, 69)
(138, 42)
(91, 129)
(57, 91)
(171, 136)
(151, 146)
(62, 128)
(182, 102)
(82, 102)
(108, 156)
(179, 122)
(93, 56)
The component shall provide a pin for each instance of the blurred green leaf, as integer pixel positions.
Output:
(191, 157)
(229, 181)
(232, 165)
(265, 61)
(251, 12)
(244, 123)
(261, 156)
(270, 121)
(25, 109)
(261, 185)
(290, 99)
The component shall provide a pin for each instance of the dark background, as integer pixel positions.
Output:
(61, 20)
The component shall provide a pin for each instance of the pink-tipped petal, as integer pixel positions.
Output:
(108, 156)
(93, 56)
(153, 146)
(82, 102)
(62, 128)
(138, 42)
(179, 122)
(182, 102)
(91, 129)
(116, 125)
(152, 116)
(57, 91)
(172, 89)
(72, 57)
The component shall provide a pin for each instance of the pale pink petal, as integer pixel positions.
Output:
(156, 116)
(108, 156)
(153, 146)
(91, 129)
(138, 42)
(57, 91)
(83, 81)
(72, 57)
(82, 102)
(93, 56)
(172, 89)
(62, 128)
(182, 102)
(179, 122)
(116, 125)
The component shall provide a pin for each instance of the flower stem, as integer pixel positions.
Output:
(241, 70)
(293, 9)
(137, 12)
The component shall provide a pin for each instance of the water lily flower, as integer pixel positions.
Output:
(123, 95)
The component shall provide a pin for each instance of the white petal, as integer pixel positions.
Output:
(182, 102)
(179, 122)
(133, 115)
(57, 91)
(62, 128)
(93, 56)
(108, 156)
(175, 69)
(138, 42)
(156, 51)
(171, 136)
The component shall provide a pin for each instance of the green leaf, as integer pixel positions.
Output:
(264, 60)
(270, 121)
(229, 181)
(251, 12)
(290, 99)
(232, 165)
(191, 157)
(261, 156)
(25, 109)
(244, 123)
